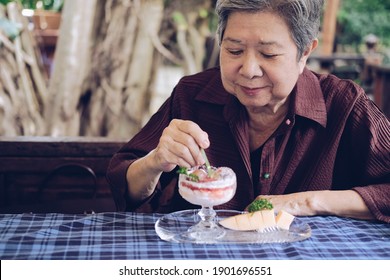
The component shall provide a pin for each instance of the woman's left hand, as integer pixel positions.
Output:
(297, 204)
(344, 203)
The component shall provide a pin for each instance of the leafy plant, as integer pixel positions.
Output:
(52, 5)
(358, 18)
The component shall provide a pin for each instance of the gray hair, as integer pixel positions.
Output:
(302, 16)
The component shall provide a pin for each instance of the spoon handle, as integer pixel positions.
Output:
(208, 166)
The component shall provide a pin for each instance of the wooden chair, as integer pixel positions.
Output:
(56, 174)
(69, 188)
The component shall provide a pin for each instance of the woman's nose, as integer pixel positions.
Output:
(251, 67)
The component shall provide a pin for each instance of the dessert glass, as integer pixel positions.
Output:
(208, 192)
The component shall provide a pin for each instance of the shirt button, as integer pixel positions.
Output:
(266, 175)
(288, 122)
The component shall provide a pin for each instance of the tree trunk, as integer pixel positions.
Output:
(72, 63)
(22, 85)
(123, 67)
(108, 96)
(142, 68)
(191, 32)
(105, 64)
(114, 46)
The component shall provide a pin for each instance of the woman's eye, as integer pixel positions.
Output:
(235, 52)
(269, 55)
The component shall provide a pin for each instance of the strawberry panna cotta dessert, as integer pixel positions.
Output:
(207, 186)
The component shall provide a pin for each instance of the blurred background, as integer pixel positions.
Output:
(102, 67)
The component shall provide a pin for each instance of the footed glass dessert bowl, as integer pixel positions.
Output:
(207, 187)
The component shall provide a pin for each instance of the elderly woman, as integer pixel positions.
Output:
(312, 144)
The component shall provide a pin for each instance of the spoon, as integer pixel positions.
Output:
(208, 166)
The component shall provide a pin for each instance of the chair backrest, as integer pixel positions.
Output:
(69, 188)
(38, 171)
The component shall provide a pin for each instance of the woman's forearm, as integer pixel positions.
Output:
(346, 203)
(142, 178)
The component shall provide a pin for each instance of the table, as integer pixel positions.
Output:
(124, 236)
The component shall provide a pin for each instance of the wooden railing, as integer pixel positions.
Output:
(374, 78)
(381, 86)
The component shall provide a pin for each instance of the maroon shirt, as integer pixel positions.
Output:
(333, 138)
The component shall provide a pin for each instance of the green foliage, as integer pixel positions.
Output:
(53, 5)
(358, 18)
(9, 28)
(180, 20)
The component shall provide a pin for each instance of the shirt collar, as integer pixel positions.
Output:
(307, 98)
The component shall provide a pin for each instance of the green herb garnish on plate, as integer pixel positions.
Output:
(260, 204)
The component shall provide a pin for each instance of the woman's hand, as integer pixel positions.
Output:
(297, 204)
(346, 203)
(180, 144)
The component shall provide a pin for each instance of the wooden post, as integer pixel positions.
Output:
(329, 26)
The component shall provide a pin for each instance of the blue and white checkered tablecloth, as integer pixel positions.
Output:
(132, 236)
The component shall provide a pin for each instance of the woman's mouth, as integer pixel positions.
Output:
(251, 90)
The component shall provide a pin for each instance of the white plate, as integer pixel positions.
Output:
(174, 227)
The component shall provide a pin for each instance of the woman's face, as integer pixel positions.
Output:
(259, 60)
